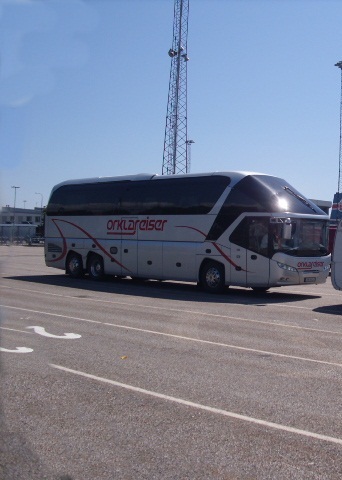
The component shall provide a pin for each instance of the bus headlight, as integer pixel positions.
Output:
(326, 267)
(286, 267)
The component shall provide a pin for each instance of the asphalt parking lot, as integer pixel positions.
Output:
(158, 380)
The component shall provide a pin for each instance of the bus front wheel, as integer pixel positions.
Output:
(74, 266)
(212, 277)
(95, 267)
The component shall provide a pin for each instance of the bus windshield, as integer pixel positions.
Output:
(307, 238)
(298, 237)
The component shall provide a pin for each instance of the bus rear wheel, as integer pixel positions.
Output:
(74, 266)
(212, 277)
(95, 267)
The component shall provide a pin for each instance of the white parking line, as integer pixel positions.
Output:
(199, 406)
(180, 337)
(16, 330)
(199, 313)
(17, 350)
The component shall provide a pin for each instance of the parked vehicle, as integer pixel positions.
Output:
(218, 229)
(336, 259)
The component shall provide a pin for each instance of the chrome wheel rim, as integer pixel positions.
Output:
(213, 277)
(74, 265)
(96, 269)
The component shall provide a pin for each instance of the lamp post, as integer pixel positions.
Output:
(339, 65)
(41, 206)
(188, 144)
(336, 209)
(15, 198)
(41, 200)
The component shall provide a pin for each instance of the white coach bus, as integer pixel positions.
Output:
(336, 263)
(217, 229)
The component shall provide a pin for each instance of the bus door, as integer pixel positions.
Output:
(249, 251)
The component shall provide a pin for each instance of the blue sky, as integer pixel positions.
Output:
(84, 84)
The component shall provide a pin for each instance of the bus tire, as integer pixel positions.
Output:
(74, 266)
(95, 267)
(212, 277)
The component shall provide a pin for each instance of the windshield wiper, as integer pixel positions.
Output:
(300, 198)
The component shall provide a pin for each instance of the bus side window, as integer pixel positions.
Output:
(252, 234)
(240, 235)
(258, 236)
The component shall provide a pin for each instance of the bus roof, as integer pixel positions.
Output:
(235, 177)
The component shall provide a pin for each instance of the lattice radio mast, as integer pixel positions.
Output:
(176, 143)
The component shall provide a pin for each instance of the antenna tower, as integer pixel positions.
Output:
(176, 143)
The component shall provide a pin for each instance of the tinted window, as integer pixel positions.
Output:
(250, 233)
(260, 193)
(254, 233)
(272, 194)
(85, 199)
(180, 196)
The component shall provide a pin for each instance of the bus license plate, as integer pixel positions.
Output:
(309, 280)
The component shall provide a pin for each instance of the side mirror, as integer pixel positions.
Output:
(287, 229)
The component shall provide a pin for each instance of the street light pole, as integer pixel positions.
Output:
(41, 206)
(41, 200)
(15, 198)
(336, 209)
(189, 143)
(339, 65)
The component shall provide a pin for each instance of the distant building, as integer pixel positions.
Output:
(20, 225)
(323, 205)
(21, 215)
